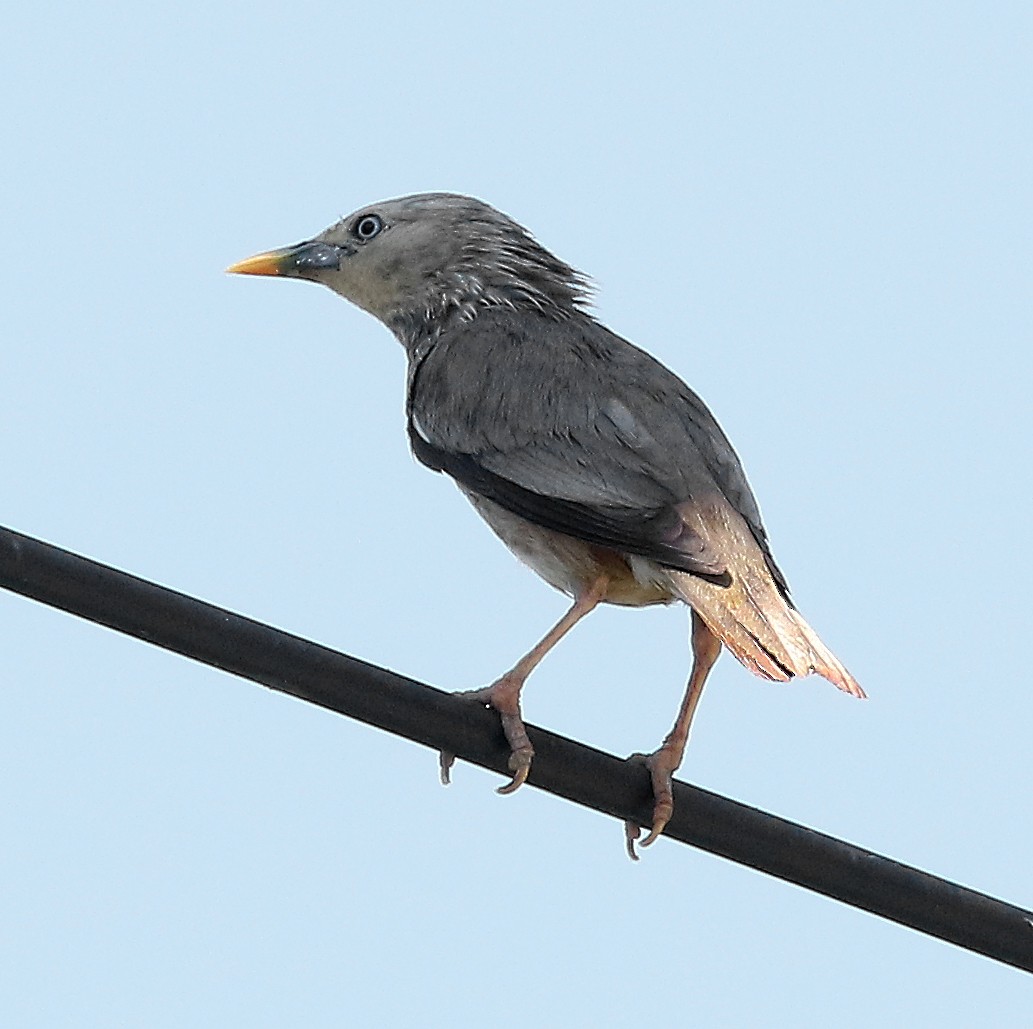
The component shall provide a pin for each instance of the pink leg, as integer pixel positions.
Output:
(664, 762)
(504, 694)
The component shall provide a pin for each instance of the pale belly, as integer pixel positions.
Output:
(571, 565)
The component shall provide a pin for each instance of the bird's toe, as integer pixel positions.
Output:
(446, 759)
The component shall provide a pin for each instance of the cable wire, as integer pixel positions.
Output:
(561, 766)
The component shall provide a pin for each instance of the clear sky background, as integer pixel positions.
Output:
(819, 215)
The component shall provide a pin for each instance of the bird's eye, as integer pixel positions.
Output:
(367, 227)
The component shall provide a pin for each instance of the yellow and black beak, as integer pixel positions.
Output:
(302, 261)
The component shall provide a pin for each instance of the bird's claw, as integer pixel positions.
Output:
(662, 766)
(520, 766)
(631, 833)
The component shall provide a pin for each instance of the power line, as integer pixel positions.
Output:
(561, 766)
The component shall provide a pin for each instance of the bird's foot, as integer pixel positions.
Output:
(504, 696)
(662, 765)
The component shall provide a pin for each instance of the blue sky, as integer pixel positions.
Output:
(819, 215)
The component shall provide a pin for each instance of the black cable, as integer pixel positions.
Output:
(582, 774)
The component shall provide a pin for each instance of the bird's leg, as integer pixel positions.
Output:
(664, 761)
(504, 694)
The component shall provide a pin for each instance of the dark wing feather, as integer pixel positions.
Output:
(571, 427)
(660, 534)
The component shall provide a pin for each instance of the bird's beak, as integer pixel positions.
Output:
(302, 261)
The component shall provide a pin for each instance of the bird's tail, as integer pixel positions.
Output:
(752, 616)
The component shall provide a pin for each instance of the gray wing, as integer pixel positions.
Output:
(568, 425)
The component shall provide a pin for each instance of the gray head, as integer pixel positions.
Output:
(419, 261)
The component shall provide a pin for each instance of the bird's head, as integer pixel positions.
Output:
(418, 261)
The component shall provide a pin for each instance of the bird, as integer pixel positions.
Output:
(593, 463)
